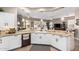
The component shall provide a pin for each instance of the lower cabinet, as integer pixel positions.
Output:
(10, 42)
(53, 41)
(35, 38)
(4, 45)
(46, 39)
(40, 38)
(60, 42)
(15, 41)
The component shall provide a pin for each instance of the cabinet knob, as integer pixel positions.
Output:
(56, 40)
(40, 37)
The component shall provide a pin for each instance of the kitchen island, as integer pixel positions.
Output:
(61, 40)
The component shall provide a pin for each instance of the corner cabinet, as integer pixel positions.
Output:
(64, 43)
(59, 42)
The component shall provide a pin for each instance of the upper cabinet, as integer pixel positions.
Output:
(7, 20)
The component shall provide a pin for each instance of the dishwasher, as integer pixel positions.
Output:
(26, 39)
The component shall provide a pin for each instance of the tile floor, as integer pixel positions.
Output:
(27, 48)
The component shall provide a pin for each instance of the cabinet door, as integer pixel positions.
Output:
(4, 45)
(14, 41)
(54, 40)
(41, 39)
(34, 38)
(11, 43)
(46, 38)
(7, 18)
(62, 43)
(17, 41)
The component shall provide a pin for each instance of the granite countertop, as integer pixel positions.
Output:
(17, 33)
(55, 32)
(62, 33)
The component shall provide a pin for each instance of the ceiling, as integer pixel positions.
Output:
(42, 9)
(45, 12)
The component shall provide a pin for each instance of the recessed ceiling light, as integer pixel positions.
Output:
(25, 9)
(41, 9)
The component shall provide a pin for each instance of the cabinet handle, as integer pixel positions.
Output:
(56, 40)
(0, 41)
(40, 37)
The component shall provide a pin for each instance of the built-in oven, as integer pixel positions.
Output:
(26, 39)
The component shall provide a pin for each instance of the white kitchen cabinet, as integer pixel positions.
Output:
(38, 38)
(53, 40)
(14, 41)
(17, 41)
(46, 39)
(62, 43)
(4, 43)
(35, 38)
(70, 43)
(59, 42)
(7, 19)
(10, 42)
